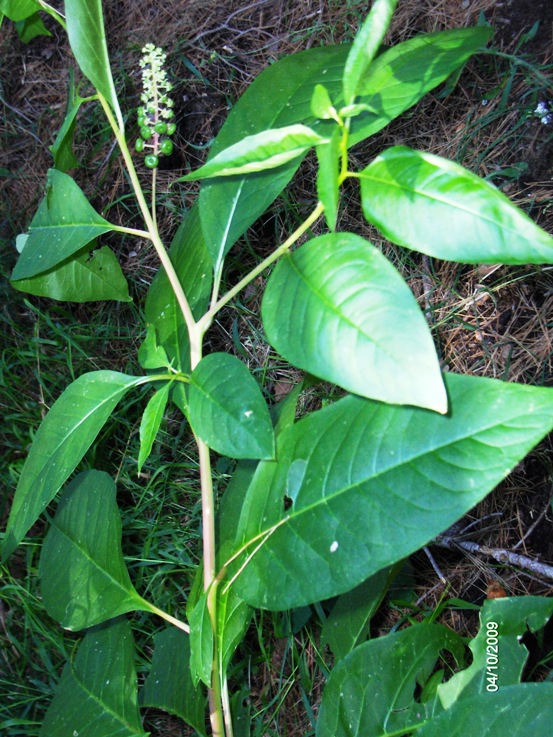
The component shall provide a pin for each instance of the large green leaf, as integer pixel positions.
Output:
(96, 696)
(337, 308)
(87, 278)
(87, 36)
(169, 684)
(18, 9)
(227, 408)
(192, 262)
(367, 484)
(365, 46)
(402, 75)
(65, 223)
(84, 579)
(498, 662)
(437, 207)
(265, 150)
(279, 97)
(66, 433)
(370, 693)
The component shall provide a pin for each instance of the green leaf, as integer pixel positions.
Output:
(371, 483)
(401, 76)
(17, 10)
(91, 277)
(201, 643)
(279, 97)
(169, 684)
(321, 104)
(365, 46)
(504, 659)
(96, 696)
(329, 308)
(84, 579)
(227, 408)
(193, 265)
(150, 423)
(87, 37)
(66, 433)
(31, 27)
(349, 621)
(150, 354)
(265, 150)
(523, 710)
(62, 148)
(371, 691)
(435, 206)
(64, 224)
(328, 190)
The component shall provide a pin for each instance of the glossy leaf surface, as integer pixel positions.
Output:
(227, 408)
(87, 36)
(265, 150)
(435, 206)
(96, 696)
(169, 684)
(402, 75)
(65, 223)
(66, 433)
(408, 474)
(150, 423)
(365, 46)
(88, 278)
(370, 692)
(84, 579)
(336, 307)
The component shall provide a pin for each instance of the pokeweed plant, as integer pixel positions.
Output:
(322, 507)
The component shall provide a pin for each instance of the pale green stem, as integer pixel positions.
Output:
(154, 211)
(53, 12)
(168, 618)
(207, 319)
(150, 225)
(131, 231)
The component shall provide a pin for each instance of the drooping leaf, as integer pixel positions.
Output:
(84, 579)
(150, 423)
(66, 433)
(261, 151)
(91, 277)
(370, 693)
(193, 265)
(65, 223)
(30, 28)
(401, 76)
(227, 408)
(96, 696)
(524, 709)
(498, 662)
(328, 309)
(201, 642)
(328, 190)
(150, 354)
(365, 46)
(169, 683)
(278, 97)
(407, 474)
(87, 36)
(435, 206)
(62, 148)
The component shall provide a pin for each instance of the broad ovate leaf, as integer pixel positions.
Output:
(227, 408)
(66, 433)
(97, 693)
(432, 205)
(337, 308)
(359, 485)
(65, 223)
(91, 277)
(365, 46)
(265, 150)
(84, 579)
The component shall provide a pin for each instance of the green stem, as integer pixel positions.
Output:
(131, 231)
(54, 13)
(167, 617)
(207, 319)
(152, 230)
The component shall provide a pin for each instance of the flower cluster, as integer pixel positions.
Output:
(545, 112)
(156, 113)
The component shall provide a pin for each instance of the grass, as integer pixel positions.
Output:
(491, 323)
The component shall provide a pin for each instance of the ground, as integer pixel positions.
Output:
(488, 321)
